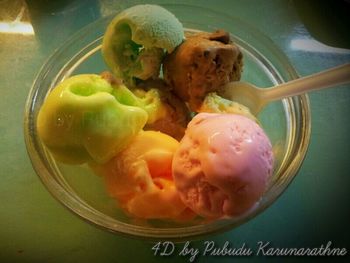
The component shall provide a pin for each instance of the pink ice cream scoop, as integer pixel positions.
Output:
(223, 164)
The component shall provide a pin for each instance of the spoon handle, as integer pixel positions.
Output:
(324, 79)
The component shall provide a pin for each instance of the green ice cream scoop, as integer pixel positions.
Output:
(214, 103)
(81, 120)
(136, 39)
(150, 101)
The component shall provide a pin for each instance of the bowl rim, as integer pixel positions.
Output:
(80, 208)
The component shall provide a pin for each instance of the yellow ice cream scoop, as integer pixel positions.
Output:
(82, 120)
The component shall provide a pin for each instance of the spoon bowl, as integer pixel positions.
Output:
(256, 98)
(246, 94)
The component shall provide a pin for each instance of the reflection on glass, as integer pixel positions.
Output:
(108, 7)
(16, 27)
(15, 24)
(312, 45)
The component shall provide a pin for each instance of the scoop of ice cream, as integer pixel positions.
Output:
(134, 43)
(166, 112)
(214, 103)
(223, 164)
(201, 64)
(140, 178)
(82, 120)
(150, 100)
(176, 114)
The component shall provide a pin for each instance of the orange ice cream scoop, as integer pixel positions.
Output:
(140, 178)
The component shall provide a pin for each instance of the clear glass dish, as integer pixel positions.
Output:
(286, 122)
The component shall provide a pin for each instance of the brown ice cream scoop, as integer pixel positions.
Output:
(177, 115)
(201, 64)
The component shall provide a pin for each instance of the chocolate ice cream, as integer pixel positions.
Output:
(201, 64)
(176, 115)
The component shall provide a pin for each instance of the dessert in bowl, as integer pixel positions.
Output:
(88, 170)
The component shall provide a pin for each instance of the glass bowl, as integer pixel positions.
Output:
(286, 122)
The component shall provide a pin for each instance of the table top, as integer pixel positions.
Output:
(312, 212)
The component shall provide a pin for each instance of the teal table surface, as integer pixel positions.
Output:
(313, 211)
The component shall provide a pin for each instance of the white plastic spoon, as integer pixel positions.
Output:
(256, 98)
